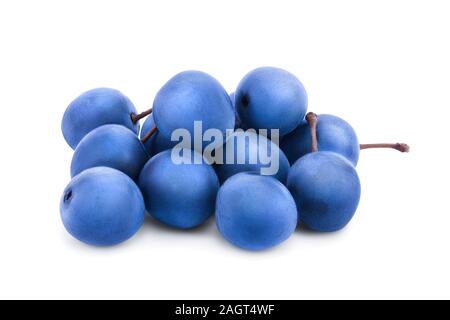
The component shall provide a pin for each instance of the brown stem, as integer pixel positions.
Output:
(136, 117)
(402, 147)
(311, 117)
(149, 134)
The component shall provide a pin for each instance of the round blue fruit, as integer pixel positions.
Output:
(111, 146)
(246, 156)
(271, 98)
(192, 96)
(93, 109)
(102, 207)
(180, 195)
(333, 134)
(255, 212)
(156, 143)
(326, 188)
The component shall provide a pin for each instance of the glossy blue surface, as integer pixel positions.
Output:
(326, 188)
(111, 146)
(156, 143)
(179, 195)
(93, 109)
(333, 134)
(102, 207)
(255, 212)
(271, 98)
(192, 96)
(248, 152)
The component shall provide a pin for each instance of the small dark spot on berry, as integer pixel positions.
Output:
(245, 101)
(68, 196)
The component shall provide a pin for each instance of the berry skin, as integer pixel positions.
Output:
(333, 134)
(102, 207)
(111, 146)
(156, 143)
(93, 109)
(326, 188)
(238, 123)
(192, 96)
(179, 195)
(271, 98)
(255, 212)
(253, 143)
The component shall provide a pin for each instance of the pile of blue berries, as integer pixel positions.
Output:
(120, 170)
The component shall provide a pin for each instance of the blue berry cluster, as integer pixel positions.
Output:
(120, 171)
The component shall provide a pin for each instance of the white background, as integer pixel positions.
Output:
(384, 66)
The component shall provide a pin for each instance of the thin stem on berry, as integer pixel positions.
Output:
(402, 147)
(136, 117)
(149, 134)
(311, 117)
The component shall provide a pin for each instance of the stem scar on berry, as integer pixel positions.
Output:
(68, 195)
